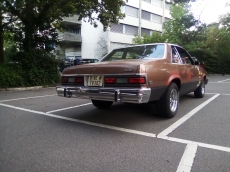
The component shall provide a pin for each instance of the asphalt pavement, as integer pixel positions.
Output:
(40, 131)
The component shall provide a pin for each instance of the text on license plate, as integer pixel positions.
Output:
(95, 80)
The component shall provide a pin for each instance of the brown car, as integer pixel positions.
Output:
(158, 73)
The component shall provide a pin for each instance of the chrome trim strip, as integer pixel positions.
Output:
(128, 95)
(122, 74)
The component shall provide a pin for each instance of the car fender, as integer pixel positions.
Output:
(173, 77)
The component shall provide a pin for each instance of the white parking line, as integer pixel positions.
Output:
(212, 93)
(224, 80)
(69, 108)
(219, 82)
(83, 122)
(205, 145)
(187, 158)
(27, 98)
(185, 118)
(220, 94)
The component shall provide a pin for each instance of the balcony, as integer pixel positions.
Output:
(71, 20)
(67, 37)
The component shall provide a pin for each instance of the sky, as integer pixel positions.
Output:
(210, 10)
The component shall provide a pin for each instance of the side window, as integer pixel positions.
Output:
(117, 55)
(175, 56)
(184, 56)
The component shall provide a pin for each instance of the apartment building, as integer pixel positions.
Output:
(81, 39)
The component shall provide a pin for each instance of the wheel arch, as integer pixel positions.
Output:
(177, 81)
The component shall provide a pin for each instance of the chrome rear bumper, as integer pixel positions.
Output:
(128, 95)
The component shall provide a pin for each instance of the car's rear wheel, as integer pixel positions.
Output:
(200, 91)
(102, 104)
(168, 104)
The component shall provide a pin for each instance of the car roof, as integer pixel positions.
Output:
(147, 44)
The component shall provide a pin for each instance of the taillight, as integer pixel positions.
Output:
(79, 80)
(110, 80)
(137, 80)
(64, 80)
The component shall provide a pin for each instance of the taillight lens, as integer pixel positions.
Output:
(137, 80)
(79, 80)
(64, 80)
(110, 80)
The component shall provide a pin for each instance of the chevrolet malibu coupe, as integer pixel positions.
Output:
(158, 73)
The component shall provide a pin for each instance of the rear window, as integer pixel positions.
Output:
(137, 52)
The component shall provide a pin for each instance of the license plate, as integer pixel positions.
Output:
(95, 80)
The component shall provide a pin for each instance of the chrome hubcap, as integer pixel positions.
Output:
(202, 88)
(173, 100)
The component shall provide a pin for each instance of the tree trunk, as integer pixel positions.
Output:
(28, 44)
(2, 58)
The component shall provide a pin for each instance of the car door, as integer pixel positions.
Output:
(180, 68)
(192, 74)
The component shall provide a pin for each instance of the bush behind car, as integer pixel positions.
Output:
(30, 69)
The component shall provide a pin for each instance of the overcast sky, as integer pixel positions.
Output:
(210, 10)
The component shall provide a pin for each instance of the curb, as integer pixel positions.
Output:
(23, 88)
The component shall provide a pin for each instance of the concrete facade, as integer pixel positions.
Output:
(142, 16)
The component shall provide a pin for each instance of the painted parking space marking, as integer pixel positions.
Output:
(204, 145)
(220, 94)
(83, 122)
(57, 110)
(187, 159)
(212, 93)
(27, 98)
(185, 117)
(223, 80)
(178, 140)
(219, 82)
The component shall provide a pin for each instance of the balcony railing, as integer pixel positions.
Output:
(69, 37)
(73, 19)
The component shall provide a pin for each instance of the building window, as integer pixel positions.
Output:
(154, 31)
(149, 1)
(122, 28)
(157, 3)
(167, 6)
(75, 30)
(151, 17)
(166, 19)
(131, 11)
(116, 28)
(145, 31)
(145, 15)
(130, 30)
(155, 18)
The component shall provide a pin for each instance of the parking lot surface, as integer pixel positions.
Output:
(40, 131)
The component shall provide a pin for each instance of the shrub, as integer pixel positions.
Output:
(9, 76)
(38, 68)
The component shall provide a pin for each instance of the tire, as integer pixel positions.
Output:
(200, 91)
(168, 104)
(101, 104)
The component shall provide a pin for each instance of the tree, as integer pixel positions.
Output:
(154, 38)
(34, 31)
(6, 22)
(182, 29)
(35, 14)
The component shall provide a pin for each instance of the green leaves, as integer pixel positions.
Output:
(210, 44)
